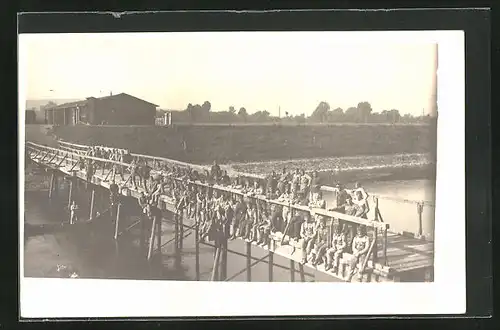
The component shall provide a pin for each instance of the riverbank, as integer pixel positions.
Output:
(203, 144)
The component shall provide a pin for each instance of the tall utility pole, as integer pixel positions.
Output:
(279, 111)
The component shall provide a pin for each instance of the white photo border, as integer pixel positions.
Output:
(82, 298)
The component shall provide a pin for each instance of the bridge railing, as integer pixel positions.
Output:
(376, 229)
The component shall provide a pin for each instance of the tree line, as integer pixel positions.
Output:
(362, 113)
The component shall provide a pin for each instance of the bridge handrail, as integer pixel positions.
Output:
(250, 175)
(173, 161)
(79, 155)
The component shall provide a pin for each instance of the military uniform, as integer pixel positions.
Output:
(360, 244)
(333, 254)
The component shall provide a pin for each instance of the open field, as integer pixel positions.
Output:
(231, 144)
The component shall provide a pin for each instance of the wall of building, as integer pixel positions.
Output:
(123, 110)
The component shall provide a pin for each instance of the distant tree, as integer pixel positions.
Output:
(364, 110)
(260, 116)
(336, 115)
(320, 114)
(49, 105)
(300, 119)
(243, 113)
(190, 111)
(232, 109)
(395, 116)
(351, 114)
(206, 106)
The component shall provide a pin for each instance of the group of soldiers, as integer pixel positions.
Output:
(236, 212)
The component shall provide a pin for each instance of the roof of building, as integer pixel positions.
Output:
(83, 102)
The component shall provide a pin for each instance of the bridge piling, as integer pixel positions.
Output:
(197, 245)
(117, 222)
(92, 201)
(301, 271)
(224, 259)
(152, 238)
(158, 234)
(70, 194)
(51, 185)
(271, 264)
(249, 261)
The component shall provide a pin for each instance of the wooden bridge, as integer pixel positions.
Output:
(392, 257)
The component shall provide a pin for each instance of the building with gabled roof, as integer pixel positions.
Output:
(119, 109)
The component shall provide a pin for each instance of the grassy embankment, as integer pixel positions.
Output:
(254, 143)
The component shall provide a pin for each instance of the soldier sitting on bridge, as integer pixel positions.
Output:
(264, 227)
(362, 205)
(307, 234)
(319, 242)
(334, 253)
(317, 201)
(360, 247)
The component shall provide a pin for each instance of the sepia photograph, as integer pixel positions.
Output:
(231, 157)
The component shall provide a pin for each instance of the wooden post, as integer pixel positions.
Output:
(181, 231)
(292, 270)
(375, 246)
(176, 239)
(91, 216)
(249, 261)
(376, 209)
(385, 246)
(51, 185)
(70, 194)
(152, 239)
(215, 270)
(271, 264)
(301, 270)
(143, 231)
(158, 233)
(197, 247)
(420, 209)
(117, 223)
(224, 259)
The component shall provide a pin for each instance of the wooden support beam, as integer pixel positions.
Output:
(420, 209)
(143, 232)
(292, 270)
(249, 263)
(271, 264)
(152, 238)
(176, 238)
(197, 247)
(117, 222)
(223, 260)
(375, 246)
(92, 198)
(158, 234)
(181, 231)
(385, 247)
(70, 194)
(215, 270)
(301, 271)
(51, 185)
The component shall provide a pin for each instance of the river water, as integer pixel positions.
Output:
(91, 252)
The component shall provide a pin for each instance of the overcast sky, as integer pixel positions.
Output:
(256, 70)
